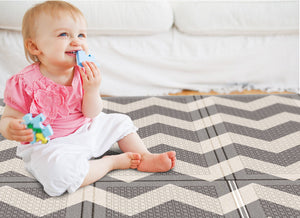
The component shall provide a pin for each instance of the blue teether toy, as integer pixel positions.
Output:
(81, 56)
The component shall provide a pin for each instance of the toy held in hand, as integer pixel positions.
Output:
(81, 56)
(40, 132)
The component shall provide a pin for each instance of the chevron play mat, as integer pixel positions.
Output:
(237, 156)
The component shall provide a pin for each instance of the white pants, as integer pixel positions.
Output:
(63, 163)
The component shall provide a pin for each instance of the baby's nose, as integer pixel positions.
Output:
(75, 41)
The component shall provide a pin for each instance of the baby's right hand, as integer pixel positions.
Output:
(18, 131)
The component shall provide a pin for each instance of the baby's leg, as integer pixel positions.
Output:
(99, 168)
(149, 162)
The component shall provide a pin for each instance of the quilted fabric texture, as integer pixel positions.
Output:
(237, 156)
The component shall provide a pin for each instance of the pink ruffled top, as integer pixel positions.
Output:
(31, 92)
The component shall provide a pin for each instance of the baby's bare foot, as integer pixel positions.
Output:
(126, 160)
(157, 162)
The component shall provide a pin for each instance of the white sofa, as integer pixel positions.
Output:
(158, 47)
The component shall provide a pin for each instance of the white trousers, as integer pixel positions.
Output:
(63, 163)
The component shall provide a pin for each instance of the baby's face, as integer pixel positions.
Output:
(59, 38)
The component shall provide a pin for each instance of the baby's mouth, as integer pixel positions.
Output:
(71, 53)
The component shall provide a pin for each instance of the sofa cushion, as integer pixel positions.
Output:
(11, 13)
(113, 17)
(236, 17)
(129, 17)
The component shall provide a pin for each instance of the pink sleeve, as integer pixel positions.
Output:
(15, 95)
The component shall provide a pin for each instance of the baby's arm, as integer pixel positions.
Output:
(11, 126)
(92, 103)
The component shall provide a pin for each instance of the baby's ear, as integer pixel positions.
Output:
(32, 47)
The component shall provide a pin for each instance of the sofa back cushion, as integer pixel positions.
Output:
(114, 17)
(236, 17)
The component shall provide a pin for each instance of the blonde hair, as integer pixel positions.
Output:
(53, 8)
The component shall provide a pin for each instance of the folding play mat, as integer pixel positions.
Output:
(237, 156)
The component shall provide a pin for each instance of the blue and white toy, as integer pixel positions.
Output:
(81, 56)
(40, 132)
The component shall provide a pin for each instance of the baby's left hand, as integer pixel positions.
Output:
(91, 77)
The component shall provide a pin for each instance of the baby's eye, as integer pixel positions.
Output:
(63, 34)
(81, 35)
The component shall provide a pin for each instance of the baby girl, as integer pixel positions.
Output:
(68, 95)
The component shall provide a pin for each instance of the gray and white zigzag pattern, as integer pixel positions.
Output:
(237, 156)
